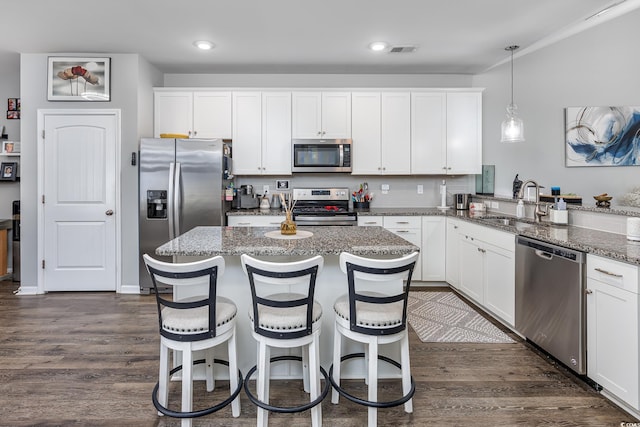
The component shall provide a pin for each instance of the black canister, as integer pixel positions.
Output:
(517, 184)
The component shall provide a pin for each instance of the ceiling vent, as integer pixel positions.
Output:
(402, 49)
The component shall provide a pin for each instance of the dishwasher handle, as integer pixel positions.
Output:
(550, 249)
(544, 255)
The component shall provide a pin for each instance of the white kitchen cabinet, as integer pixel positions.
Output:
(262, 133)
(612, 328)
(446, 133)
(432, 249)
(410, 229)
(428, 133)
(255, 220)
(321, 115)
(487, 269)
(381, 133)
(452, 264)
(370, 221)
(198, 114)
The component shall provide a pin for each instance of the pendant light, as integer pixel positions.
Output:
(512, 125)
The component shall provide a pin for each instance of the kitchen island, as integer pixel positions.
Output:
(231, 242)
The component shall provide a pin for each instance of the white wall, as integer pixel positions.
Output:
(598, 67)
(9, 88)
(131, 83)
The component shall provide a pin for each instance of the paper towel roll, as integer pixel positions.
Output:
(633, 229)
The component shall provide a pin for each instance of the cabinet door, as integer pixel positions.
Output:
(172, 113)
(366, 133)
(212, 115)
(247, 133)
(432, 249)
(428, 133)
(464, 133)
(336, 115)
(612, 340)
(307, 115)
(276, 133)
(499, 282)
(396, 133)
(471, 269)
(452, 264)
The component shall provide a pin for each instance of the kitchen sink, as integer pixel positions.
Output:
(518, 223)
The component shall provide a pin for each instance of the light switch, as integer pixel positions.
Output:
(420, 189)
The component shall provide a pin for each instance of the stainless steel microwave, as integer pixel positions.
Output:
(321, 155)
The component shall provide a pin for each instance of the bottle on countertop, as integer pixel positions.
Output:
(520, 209)
(443, 194)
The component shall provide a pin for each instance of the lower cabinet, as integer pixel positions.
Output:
(452, 263)
(255, 220)
(433, 248)
(486, 267)
(410, 229)
(612, 328)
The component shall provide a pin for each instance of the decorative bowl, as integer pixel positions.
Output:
(602, 198)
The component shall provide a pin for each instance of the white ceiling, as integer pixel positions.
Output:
(298, 36)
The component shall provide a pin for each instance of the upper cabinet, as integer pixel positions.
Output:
(198, 114)
(381, 132)
(262, 133)
(321, 115)
(446, 133)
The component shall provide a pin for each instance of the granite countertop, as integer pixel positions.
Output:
(255, 212)
(211, 241)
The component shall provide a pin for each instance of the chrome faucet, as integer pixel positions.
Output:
(538, 213)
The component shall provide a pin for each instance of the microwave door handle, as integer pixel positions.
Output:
(341, 156)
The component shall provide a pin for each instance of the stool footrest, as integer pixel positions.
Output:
(388, 404)
(287, 410)
(203, 412)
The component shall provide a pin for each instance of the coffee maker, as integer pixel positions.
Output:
(461, 201)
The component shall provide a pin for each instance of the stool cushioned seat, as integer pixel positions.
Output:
(371, 315)
(290, 319)
(196, 320)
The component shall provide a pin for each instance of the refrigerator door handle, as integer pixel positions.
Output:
(177, 202)
(170, 201)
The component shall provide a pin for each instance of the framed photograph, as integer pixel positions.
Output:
(13, 104)
(9, 147)
(11, 115)
(8, 171)
(79, 79)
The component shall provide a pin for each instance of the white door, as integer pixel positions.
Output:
(79, 201)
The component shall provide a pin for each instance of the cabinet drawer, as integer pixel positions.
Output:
(370, 221)
(402, 222)
(255, 220)
(611, 272)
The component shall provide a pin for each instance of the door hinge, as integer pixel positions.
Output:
(43, 264)
(43, 199)
(42, 133)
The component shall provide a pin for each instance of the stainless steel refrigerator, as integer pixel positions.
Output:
(181, 186)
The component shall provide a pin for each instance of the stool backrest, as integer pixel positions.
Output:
(378, 274)
(200, 274)
(265, 277)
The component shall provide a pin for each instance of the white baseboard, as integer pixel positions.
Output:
(129, 289)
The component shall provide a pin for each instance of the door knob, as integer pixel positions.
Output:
(109, 212)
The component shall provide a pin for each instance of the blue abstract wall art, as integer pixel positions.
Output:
(602, 136)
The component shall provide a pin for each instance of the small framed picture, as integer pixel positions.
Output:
(13, 104)
(8, 171)
(9, 147)
(12, 115)
(78, 79)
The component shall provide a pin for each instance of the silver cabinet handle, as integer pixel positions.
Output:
(608, 273)
(244, 223)
(371, 223)
(402, 231)
(482, 250)
(109, 212)
(402, 222)
(455, 227)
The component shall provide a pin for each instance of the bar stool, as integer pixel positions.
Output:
(374, 317)
(193, 324)
(285, 319)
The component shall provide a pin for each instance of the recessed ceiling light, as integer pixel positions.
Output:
(204, 44)
(378, 46)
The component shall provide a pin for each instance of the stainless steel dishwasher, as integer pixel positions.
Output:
(550, 300)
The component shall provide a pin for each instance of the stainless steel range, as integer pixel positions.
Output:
(323, 206)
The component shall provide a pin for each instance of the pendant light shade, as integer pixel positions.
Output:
(512, 125)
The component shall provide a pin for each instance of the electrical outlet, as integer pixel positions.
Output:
(495, 205)
(420, 189)
(384, 188)
(265, 189)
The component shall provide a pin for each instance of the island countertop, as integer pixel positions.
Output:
(211, 241)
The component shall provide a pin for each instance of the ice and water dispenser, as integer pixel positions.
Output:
(157, 204)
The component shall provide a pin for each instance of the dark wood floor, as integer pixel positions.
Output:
(91, 359)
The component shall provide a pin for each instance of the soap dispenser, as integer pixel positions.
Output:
(520, 209)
